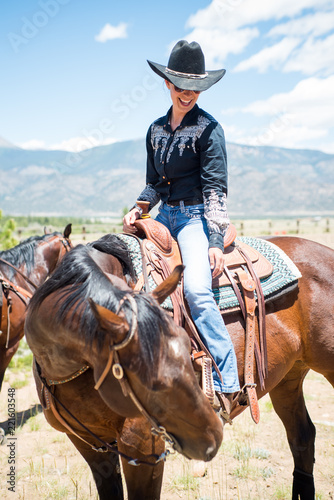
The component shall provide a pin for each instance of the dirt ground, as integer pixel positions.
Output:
(254, 462)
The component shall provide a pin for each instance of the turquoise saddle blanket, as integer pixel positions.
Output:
(284, 277)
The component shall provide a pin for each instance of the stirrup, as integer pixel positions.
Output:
(223, 406)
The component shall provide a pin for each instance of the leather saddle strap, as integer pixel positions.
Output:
(262, 316)
(243, 310)
(236, 291)
(161, 271)
(23, 294)
(248, 287)
(20, 272)
(207, 380)
(141, 280)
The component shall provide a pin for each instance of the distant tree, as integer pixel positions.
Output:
(7, 239)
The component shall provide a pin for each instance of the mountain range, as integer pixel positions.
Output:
(263, 180)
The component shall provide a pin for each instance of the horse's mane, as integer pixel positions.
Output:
(112, 245)
(24, 252)
(79, 278)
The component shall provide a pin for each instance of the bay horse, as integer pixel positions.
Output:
(113, 371)
(300, 337)
(22, 269)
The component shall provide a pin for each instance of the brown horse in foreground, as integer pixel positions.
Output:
(299, 338)
(87, 332)
(22, 269)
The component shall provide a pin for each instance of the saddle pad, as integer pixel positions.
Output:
(285, 273)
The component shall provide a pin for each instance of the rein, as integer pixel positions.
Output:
(118, 372)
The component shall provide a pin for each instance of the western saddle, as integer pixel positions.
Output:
(244, 267)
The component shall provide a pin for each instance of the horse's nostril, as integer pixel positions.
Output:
(211, 453)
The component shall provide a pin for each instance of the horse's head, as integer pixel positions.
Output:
(30, 262)
(145, 369)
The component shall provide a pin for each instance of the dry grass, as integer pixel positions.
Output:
(254, 462)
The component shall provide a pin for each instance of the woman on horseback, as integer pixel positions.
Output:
(187, 173)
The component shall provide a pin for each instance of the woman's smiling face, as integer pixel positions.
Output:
(182, 101)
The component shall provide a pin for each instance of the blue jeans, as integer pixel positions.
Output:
(188, 225)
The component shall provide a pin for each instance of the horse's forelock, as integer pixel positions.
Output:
(77, 278)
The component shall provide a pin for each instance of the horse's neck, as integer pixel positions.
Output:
(46, 259)
(64, 354)
(107, 263)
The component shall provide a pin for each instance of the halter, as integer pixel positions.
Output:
(118, 372)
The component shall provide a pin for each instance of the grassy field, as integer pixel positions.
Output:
(320, 228)
(254, 462)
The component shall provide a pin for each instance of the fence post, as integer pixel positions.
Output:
(327, 230)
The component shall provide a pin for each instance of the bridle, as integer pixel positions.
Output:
(66, 243)
(114, 364)
(118, 372)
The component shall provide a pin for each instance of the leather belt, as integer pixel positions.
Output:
(186, 203)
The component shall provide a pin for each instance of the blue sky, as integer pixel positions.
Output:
(74, 73)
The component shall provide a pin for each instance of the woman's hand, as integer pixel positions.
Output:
(129, 219)
(216, 258)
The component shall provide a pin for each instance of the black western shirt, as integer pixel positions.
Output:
(189, 164)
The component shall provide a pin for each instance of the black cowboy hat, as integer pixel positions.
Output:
(186, 68)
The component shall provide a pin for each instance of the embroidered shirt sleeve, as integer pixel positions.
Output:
(214, 183)
(149, 193)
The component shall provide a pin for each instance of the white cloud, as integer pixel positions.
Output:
(217, 43)
(233, 14)
(273, 56)
(314, 57)
(316, 24)
(37, 170)
(228, 26)
(77, 144)
(311, 100)
(33, 144)
(74, 145)
(296, 119)
(109, 32)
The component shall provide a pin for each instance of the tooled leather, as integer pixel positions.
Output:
(155, 232)
(158, 234)
(248, 286)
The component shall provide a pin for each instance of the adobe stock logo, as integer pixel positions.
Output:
(31, 27)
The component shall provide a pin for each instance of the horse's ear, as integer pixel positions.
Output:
(161, 292)
(45, 230)
(108, 320)
(67, 231)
